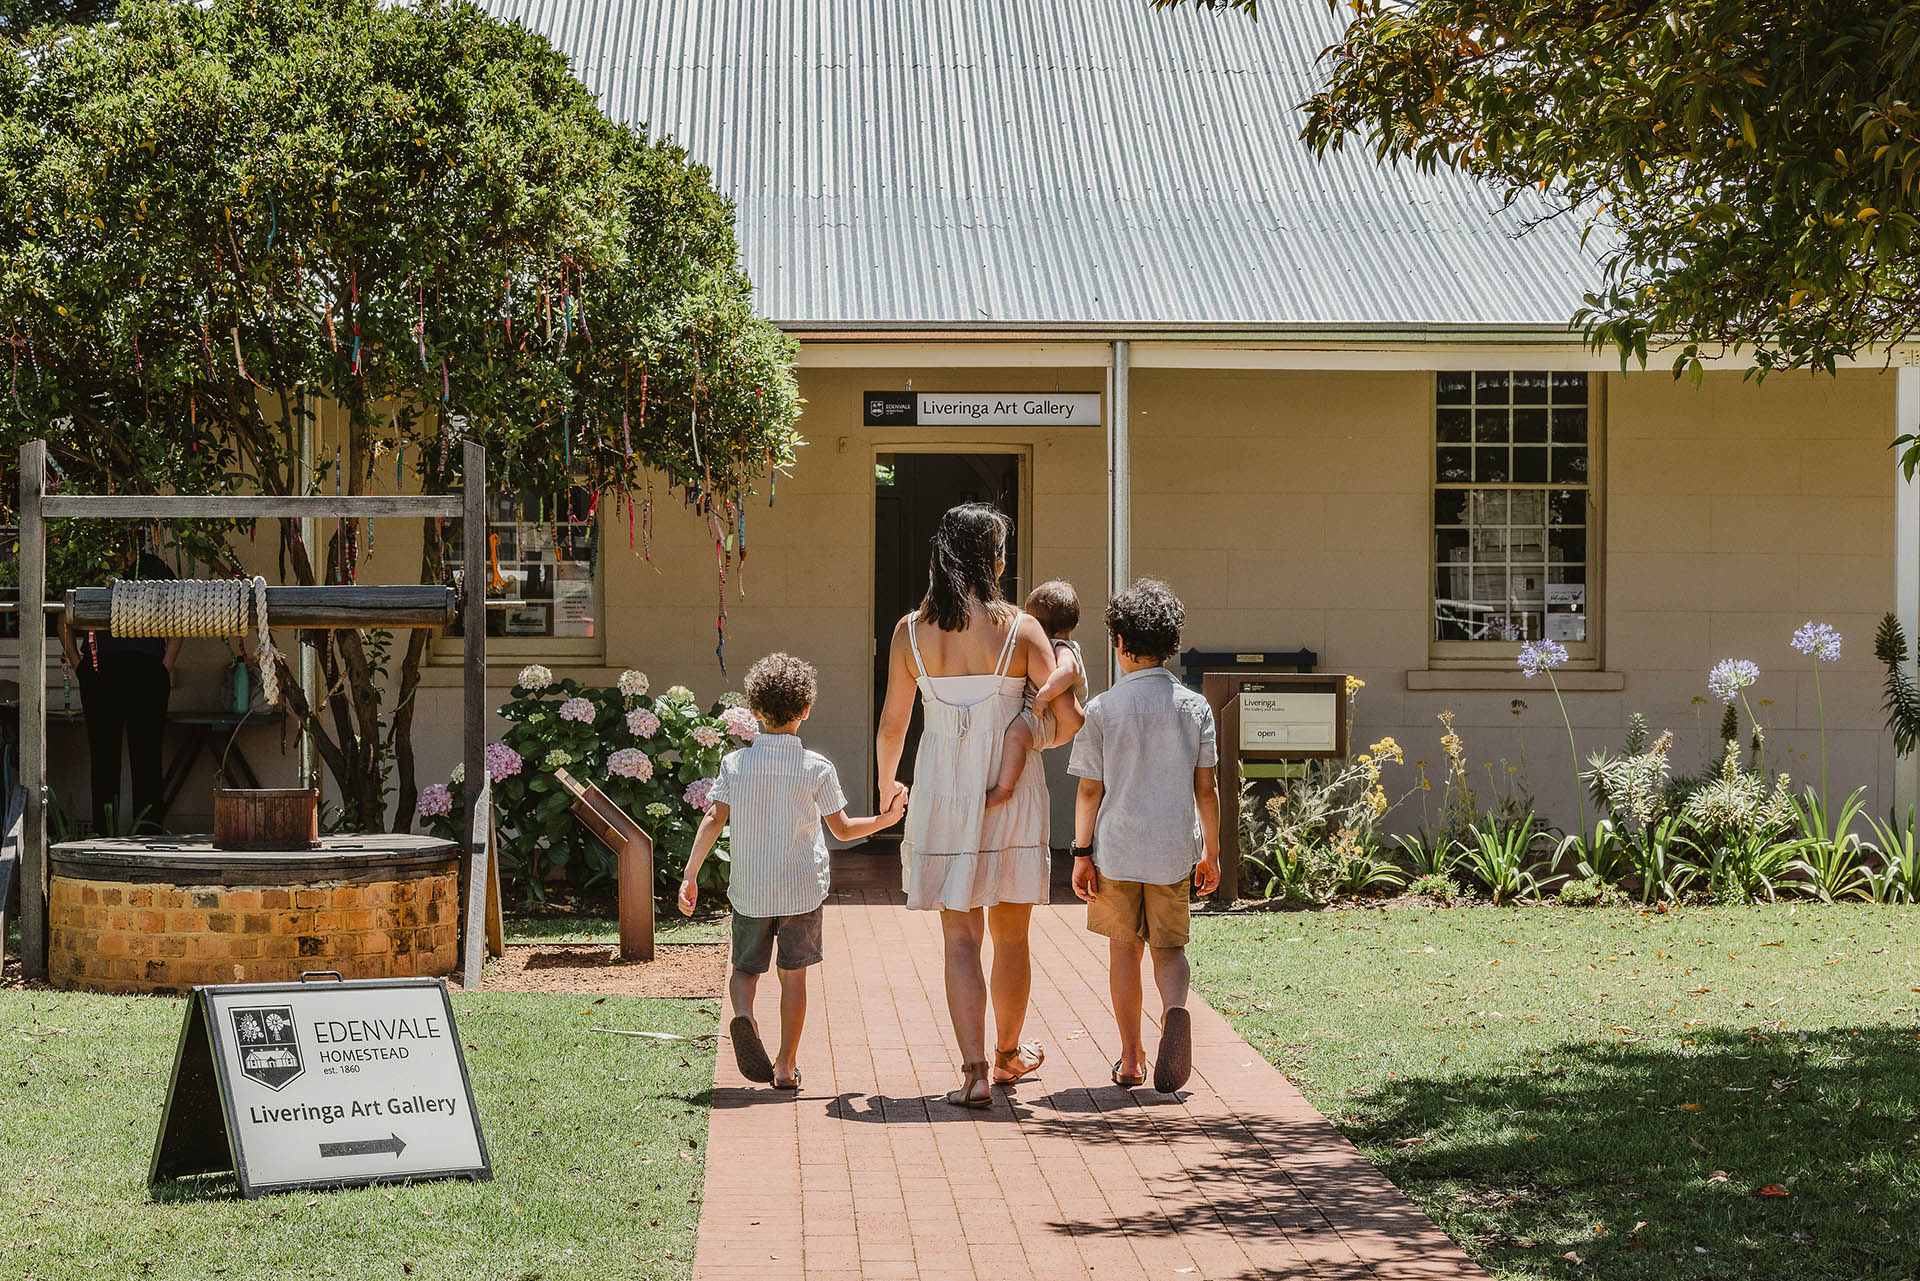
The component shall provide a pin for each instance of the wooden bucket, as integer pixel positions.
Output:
(266, 818)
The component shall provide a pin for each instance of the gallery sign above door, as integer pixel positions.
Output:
(982, 408)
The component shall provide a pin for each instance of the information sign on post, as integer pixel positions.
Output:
(1269, 716)
(305, 1085)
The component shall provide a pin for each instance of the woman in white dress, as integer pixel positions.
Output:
(970, 655)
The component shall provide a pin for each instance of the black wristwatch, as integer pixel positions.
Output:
(1083, 851)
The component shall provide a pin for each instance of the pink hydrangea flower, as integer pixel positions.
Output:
(741, 723)
(502, 761)
(435, 800)
(705, 735)
(630, 762)
(699, 794)
(642, 723)
(577, 709)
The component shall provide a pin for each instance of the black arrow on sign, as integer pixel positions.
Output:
(365, 1147)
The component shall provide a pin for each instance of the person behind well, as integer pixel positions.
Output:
(125, 684)
(773, 794)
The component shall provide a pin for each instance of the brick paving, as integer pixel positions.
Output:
(868, 1175)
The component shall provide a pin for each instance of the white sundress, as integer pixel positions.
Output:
(957, 854)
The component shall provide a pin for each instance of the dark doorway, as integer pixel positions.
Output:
(910, 493)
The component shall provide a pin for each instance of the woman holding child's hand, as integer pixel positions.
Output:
(970, 655)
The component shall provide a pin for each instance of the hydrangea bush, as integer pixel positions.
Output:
(655, 756)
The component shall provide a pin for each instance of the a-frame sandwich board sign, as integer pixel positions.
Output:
(320, 1085)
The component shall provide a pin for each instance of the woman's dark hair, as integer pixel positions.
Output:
(968, 544)
(1055, 606)
(1146, 619)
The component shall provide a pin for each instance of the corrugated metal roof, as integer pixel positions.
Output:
(907, 163)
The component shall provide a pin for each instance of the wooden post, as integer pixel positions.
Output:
(473, 535)
(33, 710)
(1217, 687)
(629, 841)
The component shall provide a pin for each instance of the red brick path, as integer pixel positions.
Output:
(869, 1175)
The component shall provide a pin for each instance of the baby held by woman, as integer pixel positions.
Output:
(1057, 709)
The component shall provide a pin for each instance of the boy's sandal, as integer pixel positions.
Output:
(748, 1054)
(1032, 1051)
(793, 1085)
(964, 1097)
(1126, 1080)
(1174, 1063)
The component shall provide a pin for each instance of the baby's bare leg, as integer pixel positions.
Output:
(1013, 761)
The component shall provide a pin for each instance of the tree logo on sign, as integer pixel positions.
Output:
(269, 1046)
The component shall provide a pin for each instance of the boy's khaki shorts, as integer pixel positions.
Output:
(1133, 912)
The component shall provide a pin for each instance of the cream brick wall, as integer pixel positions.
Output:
(1288, 508)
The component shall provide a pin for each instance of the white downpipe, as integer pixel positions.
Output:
(1906, 562)
(1119, 483)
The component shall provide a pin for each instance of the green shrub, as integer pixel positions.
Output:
(1502, 860)
(1590, 892)
(654, 756)
(1437, 886)
(1897, 879)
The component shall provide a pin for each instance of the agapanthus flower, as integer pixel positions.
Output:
(733, 698)
(705, 735)
(741, 723)
(632, 683)
(699, 794)
(630, 762)
(642, 723)
(678, 694)
(658, 809)
(1731, 675)
(1819, 640)
(556, 758)
(533, 678)
(502, 761)
(459, 774)
(577, 709)
(435, 800)
(1541, 656)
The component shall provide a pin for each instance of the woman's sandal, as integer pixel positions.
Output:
(793, 1085)
(1125, 1081)
(1032, 1051)
(972, 1074)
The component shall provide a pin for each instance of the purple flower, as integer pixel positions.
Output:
(1731, 675)
(502, 761)
(630, 762)
(1541, 656)
(642, 723)
(699, 794)
(1819, 640)
(435, 801)
(741, 723)
(577, 709)
(705, 735)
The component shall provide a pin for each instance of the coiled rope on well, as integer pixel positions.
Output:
(191, 607)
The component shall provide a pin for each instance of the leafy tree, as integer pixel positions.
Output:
(1748, 170)
(17, 16)
(216, 221)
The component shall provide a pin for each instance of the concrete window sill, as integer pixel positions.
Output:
(1498, 680)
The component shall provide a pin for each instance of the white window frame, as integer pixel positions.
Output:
(1582, 655)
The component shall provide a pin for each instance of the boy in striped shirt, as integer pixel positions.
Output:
(771, 796)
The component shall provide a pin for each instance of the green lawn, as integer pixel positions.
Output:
(1609, 1086)
(598, 1145)
(669, 927)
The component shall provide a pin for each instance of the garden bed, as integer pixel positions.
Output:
(598, 1145)
(1610, 1093)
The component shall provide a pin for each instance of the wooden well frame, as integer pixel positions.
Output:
(340, 606)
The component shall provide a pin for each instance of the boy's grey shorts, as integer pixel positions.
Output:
(754, 938)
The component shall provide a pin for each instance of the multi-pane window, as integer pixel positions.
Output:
(542, 553)
(1511, 505)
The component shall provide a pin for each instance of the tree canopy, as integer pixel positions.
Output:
(1748, 170)
(216, 218)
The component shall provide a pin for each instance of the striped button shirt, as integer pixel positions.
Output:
(775, 792)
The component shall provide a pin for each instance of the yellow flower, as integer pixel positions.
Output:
(1355, 684)
(1363, 758)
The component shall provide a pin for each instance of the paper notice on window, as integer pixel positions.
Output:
(1570, 595)
(1567, 627)
(573, 607)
